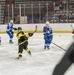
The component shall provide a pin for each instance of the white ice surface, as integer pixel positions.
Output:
(42, 62)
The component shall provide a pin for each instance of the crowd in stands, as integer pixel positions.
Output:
(61, 11)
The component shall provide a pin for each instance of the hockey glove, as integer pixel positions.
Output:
(15, 28)
(12, 32)
(44, 36)
(30, 34)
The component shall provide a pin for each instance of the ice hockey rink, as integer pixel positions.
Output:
(42, 62)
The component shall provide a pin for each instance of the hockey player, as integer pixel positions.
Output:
(9, 31)
(66, 62)
(73, 31)
(48, 35)
(23, 42)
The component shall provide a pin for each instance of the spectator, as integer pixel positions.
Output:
(61, 6)
(61, 17)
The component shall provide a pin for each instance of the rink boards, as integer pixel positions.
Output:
(57, 27)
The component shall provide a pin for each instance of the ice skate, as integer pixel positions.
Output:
(44, 47)
(18, 57)
(48, 47)
(11, 42)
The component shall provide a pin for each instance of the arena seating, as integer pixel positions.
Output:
(28, 10)
(2, 10)
(55, 13)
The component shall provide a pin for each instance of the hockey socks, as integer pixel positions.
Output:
(28, 51)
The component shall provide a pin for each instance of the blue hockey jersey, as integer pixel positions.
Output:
(48, 36)
(9, 27)
(47, 31)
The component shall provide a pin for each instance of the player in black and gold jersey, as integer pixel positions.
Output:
(23, 41)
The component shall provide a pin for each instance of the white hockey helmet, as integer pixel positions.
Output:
(47, 22)
(11, 21)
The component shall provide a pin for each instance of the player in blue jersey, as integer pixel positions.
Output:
(9, 31)
(48, 35)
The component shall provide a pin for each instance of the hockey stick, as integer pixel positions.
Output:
(58, 46)
(72, 27)
(35, 29)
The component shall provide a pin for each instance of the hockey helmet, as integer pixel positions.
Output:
(11, 21)
(47, 22)
(19, 28)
